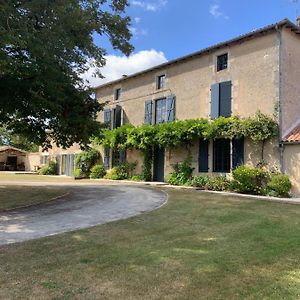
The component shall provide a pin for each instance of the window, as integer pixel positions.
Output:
(160, 111)
(118, 93)
(221, 99)
(221, 161)
(161, 81)
(117, 116)
(165, 110)
(222, 62)
(118, 157)
(44, 159)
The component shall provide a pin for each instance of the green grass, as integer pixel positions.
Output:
(18, 196)
(32, 177)
(198, 246)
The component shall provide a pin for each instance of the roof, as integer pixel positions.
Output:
(284, 23)
(7, 148)
(293, 136)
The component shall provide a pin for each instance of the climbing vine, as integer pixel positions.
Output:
(258, 128)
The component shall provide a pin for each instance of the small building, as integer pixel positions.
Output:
(12, 159)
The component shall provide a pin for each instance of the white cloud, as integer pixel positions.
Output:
(215, 11)
(150, 6)
(137, 20)
(116, 66)
(138, 32)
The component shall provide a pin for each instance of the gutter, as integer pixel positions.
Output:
(281, 145)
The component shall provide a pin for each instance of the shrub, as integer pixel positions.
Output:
(97, 171)
(77, 173)
(137, 178)
(48, 169)
(279, 185)
(120, 172)
(218, 183)
(182, 173)
(199, 181)
(86, 160)
(250, 180)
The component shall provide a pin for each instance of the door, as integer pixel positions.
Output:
(12, 163)
(159, 164)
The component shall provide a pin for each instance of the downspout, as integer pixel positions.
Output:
(281, 145)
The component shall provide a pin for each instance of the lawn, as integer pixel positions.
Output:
(19, 196)
(198, 246)
(32, 177)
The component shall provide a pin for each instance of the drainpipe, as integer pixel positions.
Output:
(281, 146)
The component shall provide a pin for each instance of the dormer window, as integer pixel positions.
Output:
(161, 81)
(222, 62)
(118, 93)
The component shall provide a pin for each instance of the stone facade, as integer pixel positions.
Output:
(264, 70)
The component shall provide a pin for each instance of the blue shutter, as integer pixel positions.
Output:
(215, 93)
(237, 152)
(107, 117)
(58, 162)
(72, 159)
(122, 156)
(170, 108)
(106, 158)
(148, 112)
(203, 155)
(225, 99)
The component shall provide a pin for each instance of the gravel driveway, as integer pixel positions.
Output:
(86, 206)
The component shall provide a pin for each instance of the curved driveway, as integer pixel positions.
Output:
(86, 206)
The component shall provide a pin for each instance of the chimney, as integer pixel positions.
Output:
(298, 21)
(124, 75)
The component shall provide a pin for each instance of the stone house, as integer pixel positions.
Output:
(259, 70)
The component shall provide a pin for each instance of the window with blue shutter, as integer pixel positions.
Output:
(221, 159)
(221, 100)
(225, 99)
(203, 155)
(107, 117)
(148, 112)
(165, 109)
(117, 116)
(170, 108)
(237, 152)
(106, 157)
(160, 111)
(215, 94)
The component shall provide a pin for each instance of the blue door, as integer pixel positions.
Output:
(159, 165)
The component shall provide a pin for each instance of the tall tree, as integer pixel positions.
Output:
(7, 137)
(45, 45)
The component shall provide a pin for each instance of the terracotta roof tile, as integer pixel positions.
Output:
(293, 136)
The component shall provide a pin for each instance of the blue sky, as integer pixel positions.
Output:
(167, 29)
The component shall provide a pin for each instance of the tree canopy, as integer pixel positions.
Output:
(9, 138)
(45, 45)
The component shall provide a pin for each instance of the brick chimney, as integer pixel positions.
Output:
(298, 21)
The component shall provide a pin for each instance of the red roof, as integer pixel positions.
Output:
(293, 136)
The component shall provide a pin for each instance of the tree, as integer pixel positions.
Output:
(9, 138)
(45, 45)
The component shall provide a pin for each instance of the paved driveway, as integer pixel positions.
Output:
(86, 206)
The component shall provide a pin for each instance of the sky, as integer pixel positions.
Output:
(167, 29)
